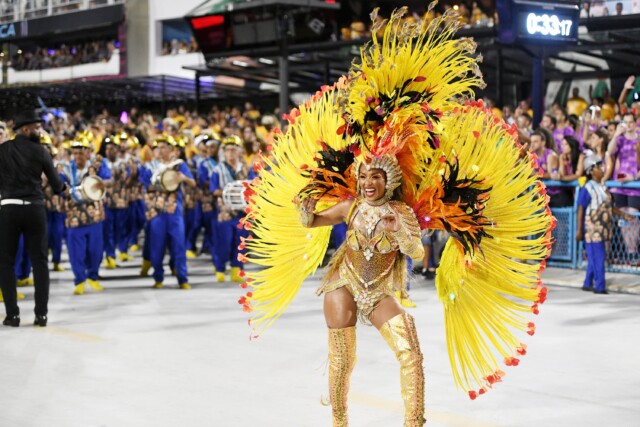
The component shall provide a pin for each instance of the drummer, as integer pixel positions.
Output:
(207, 206)
(55, 205)
(136, 217)
(194, 220)
(164, 211)
(84, 216)
(228, 233)
(117, 201)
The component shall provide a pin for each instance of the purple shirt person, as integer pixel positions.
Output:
(560, 133)
(624, 156)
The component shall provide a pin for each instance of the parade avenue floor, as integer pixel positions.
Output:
(137, 356)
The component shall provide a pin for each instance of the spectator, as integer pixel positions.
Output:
(623, 166)
(174, 47)
(598, 142)
(548, 122)
(576, 104)
(594, 223)
(571, 165)
(547, 157)
(524, 121)
(562, 127)
(622, 99)
(183, 48)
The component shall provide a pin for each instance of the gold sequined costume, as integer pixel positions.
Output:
(370, 264)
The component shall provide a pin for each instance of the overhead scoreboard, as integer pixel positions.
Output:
(538, 21)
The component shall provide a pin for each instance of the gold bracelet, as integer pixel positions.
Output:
(408, 245)
(306, 218)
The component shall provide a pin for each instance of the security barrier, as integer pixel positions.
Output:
(623, 253)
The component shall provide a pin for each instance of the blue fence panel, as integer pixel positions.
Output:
(623, 251)
(623, 254)
(564, 236)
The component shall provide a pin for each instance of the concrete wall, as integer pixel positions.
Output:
(160, 10)
(144, 38)
(137, 15)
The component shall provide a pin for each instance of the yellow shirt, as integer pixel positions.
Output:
(576, 106)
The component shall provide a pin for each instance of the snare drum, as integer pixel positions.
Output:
(90, 188)
(169, 180)
(233, 196)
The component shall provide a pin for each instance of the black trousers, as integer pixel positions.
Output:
(30, 220)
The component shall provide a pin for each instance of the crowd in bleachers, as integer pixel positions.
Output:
(598, 123)
(63, 54)
(178, 47)
(592, 143)
(598, 8)
(470, 15)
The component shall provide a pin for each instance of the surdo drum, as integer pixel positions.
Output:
(91, 189)
(233, 196)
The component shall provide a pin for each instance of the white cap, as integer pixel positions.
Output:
(591, 161)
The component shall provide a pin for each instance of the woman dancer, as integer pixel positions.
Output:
(362, 279)
(392, 149)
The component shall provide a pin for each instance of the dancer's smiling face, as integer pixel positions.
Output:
(372, 183)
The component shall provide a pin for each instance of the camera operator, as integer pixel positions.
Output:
(22, 211)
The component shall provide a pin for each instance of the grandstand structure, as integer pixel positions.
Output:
(143, 52)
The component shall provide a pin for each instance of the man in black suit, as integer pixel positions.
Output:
(22, 211)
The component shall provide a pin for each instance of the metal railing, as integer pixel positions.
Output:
(19, 10)
(623, 255)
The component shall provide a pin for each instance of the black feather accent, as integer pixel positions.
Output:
(472, 197)
(330, 173)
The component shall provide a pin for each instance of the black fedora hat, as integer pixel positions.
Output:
(24, 119)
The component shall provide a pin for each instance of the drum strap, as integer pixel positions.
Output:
(74, 181)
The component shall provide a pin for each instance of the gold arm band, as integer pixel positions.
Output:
(306, 218)
(408, 244)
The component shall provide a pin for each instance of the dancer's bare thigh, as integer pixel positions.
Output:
(388, 308)
(339, 309)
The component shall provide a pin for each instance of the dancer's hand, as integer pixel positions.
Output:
(390, 221)
(309, 204)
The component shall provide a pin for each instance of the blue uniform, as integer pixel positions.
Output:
(165, 223)
(55, 222)
(207, 207)
(54, 205)
(193, 209)
(117, 210)
(228, 234)
(137, 210)
(84, 225)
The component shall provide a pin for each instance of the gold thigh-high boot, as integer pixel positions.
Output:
(400, 333)
(342, 358)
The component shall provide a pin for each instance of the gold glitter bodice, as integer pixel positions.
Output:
(382, 243)
(370, 264)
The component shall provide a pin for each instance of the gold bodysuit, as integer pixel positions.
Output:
(370, 263)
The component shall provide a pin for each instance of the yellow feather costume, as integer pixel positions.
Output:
(463, 171)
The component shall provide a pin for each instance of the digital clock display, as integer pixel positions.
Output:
(548, 25)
